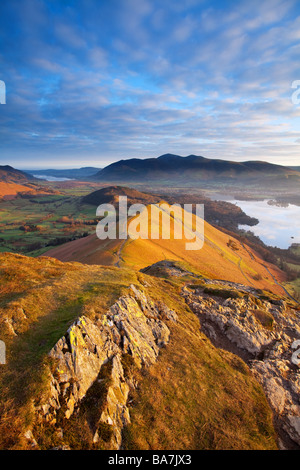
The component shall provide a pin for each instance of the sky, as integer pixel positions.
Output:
(90, 82)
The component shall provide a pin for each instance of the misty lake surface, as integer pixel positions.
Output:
(278, 226)
(51, 178)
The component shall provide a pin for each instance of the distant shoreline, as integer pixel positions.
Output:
(52, 178)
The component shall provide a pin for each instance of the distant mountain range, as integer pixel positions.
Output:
(168, 170)
(72, 173)
(171, 168)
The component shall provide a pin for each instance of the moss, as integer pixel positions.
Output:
(264, 318)
(128, 364)
(105, 431)
(224, 293)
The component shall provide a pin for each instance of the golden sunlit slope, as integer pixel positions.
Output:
(221, 256)
(11, 189)
(31, 288)
(14, 181)
(89, 250)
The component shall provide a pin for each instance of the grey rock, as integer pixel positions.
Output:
(132, 325)
(266, 347)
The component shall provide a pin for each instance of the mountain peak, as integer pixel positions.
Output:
(169, 156)
(174, 169)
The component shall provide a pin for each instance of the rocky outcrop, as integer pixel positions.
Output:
(265, 334)
(96, 352)
(134, 327)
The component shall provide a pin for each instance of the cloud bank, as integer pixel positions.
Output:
(91, 82)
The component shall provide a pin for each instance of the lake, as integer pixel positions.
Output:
(52, 178)
(278, 226)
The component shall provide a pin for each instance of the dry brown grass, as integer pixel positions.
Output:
(195, 396)
(40, 299)
(198, 397)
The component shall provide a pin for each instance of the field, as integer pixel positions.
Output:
(32, 224)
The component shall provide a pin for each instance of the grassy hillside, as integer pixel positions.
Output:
(13, 182)
(11, 175)
(39, 300)
(11, 189)
(221, 213)
(195, 397)
(110, 195)
(222, 256)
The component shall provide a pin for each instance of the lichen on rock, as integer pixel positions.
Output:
(133, 326)
(262, 333)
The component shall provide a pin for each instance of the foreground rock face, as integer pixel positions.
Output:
(266, 336)
(264, 333)
(134, 326)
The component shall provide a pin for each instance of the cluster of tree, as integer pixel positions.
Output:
(291, 273)
(228, 215)
(54, 242)
(231, 244)
(71, 221)
(31, 228)
(60, 240)
(220, 213)
(282, 258)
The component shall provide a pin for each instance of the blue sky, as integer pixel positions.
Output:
(89, 82)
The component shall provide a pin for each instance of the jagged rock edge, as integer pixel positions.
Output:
(267, 352)
(133, 325)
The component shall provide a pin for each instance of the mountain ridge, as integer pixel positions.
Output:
(14, 182)
(171, 167)
(9, 174)
(72, 173)
(232, 258)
